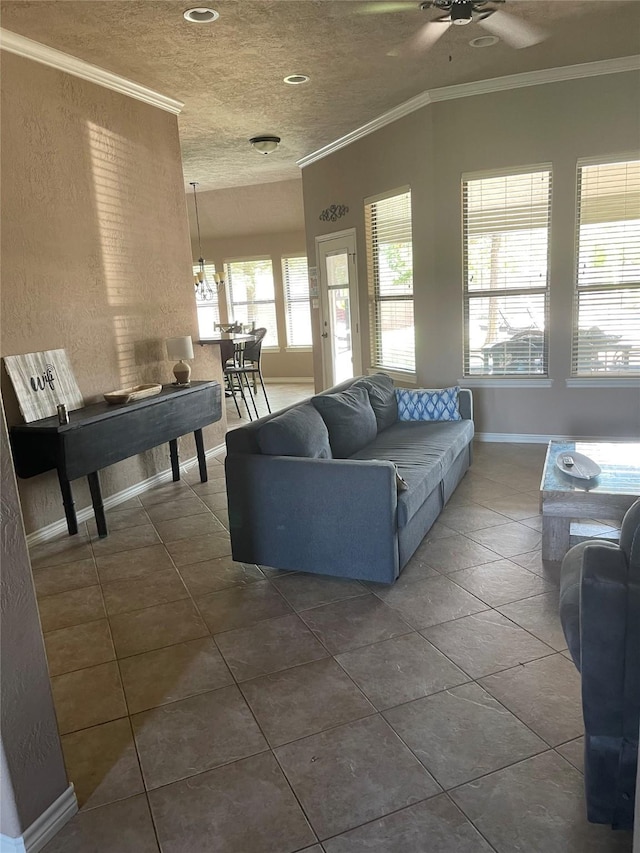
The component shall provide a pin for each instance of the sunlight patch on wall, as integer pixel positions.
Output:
(119, 187)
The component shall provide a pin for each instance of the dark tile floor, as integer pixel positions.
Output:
(206, 705)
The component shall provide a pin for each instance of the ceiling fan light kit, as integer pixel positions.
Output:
(461, 12)
(265, 144)
(512, 29)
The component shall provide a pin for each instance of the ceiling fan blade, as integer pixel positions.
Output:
(383, 7)
(427, 36)
(514, 31)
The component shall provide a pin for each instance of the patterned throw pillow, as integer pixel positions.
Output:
(427, 404)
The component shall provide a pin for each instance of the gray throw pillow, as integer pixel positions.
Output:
(299, 432)
(349, 418)
(382, 398)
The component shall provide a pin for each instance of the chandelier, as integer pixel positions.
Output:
(204, 291)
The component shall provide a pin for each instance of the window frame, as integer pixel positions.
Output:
(229, 294)
(595, 378)
(407, 374)
(514, 378)
(290, 347)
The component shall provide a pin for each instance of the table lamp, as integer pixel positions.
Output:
(180, 348)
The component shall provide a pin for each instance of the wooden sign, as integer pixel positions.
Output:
(41, 381)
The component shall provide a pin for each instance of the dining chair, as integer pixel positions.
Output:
(234, 372)
(252, 361)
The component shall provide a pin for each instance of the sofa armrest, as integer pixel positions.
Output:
(604, 639)
(331, 516)
(465, 404)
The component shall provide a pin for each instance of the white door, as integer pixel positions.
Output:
(338, 280)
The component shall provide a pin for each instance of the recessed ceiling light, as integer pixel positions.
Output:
(201, 15)
(484, 41)
(296, 79)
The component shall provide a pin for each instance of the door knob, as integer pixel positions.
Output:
(325, 334)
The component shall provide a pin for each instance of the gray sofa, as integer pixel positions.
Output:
(600, 615)
(328, 499)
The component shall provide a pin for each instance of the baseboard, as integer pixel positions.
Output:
(43, 534)
(288, 380)
(12, 845)
(534, 438)
(44, 827)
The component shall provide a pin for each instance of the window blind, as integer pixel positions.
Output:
(390, 275)
(208, 309)
(295, 276)
(252, 296)
(606, 329)
(505, 221)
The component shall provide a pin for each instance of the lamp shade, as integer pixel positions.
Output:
(180, 347)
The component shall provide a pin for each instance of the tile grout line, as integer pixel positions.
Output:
(333, 657)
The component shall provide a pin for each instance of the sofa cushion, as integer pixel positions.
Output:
(382, 398)
(422, 451)
(300, 431)
(349, 418)
(428, 404)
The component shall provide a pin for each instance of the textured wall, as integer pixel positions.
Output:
(95, 250)
(246, 211)
(33, 773)
(429, 150)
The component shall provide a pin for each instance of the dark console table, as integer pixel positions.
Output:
(101, 434)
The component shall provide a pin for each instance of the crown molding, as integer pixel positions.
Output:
(29, 49)
(407, 107)
(478, 87)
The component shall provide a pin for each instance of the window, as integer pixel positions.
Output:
(390, 271)
(207, 302)
(606, 328)
(505, 265)
(251, 295)
(295, 277)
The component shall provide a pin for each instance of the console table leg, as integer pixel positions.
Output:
(68, 503)
(175, 464)
(98, 506)
(202, 459)
(555, 537)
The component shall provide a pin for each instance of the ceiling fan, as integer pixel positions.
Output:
(513, 30)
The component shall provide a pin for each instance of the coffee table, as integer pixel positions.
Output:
(607, 496)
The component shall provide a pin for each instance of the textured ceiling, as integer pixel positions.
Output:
(229, 73)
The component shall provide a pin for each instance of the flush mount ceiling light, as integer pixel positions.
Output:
(484, 41)
(201, 15)
(296, 79)
(265, 144)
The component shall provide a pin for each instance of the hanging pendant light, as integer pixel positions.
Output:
(204, 291)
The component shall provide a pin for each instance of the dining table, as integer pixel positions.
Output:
(230, 343)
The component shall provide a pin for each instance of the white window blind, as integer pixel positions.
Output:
(606, 329)
(252, 297)
(390, 274)
(506, 220)
(295, 276)
(207, 302)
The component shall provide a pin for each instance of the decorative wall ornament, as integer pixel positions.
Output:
(333, 213)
